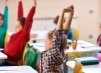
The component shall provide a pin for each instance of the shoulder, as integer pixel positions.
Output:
(12, 35)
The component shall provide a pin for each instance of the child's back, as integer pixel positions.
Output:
(55, 44)
(14, 48)
(51, 60)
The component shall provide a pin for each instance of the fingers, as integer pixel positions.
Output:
(35, 3)
(6, 2)
(72, 6)
(70, 9)
(20, 0)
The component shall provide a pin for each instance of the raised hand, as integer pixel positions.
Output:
(35, 2)
(20, 0)
(6, 1)
(69, 9)
(67, 24)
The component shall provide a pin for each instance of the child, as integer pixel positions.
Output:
(18, 40)
(99, 38)
(56, 42)
(70, 34)
(3, 25)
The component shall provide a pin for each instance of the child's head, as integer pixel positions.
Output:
(50, 38)
(56, 19)
(20, 24)
(1, 19)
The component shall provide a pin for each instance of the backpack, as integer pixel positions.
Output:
(31, 57)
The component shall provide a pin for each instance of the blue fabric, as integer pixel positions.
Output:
(70, 34)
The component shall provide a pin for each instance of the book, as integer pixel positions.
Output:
(87, 60)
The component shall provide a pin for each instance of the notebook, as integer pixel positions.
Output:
(87, 60)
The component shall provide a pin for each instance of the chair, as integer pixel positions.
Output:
(78, 68)
(21, 61)
(75, 33)
(6, 39)
(75, 37)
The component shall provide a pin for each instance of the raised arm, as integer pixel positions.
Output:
(68, 21)
(29, 20)
(56, 44)
(5, 25)
(57, 34)
(61, 20)
(20, 9)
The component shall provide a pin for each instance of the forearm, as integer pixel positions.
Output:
(29, 21)
(31, 14)
(6, 17)
(68, 21)
(6, 12)
(20, 9)
(60, 21)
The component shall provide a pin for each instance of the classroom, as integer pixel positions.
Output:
(50, 36)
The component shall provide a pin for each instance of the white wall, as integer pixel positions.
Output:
(87, 23)
(47, 24)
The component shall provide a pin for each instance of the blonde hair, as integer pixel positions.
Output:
(64, 40)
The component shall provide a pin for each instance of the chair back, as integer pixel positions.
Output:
(21, 61)
(78, 67)
(75, 33)
(6, 39)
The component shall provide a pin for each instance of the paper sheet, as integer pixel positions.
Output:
(84, 44)
(8, 69)
(71, 64)
(10, 72)
(39, 44)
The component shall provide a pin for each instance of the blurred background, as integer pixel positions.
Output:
(86, 17)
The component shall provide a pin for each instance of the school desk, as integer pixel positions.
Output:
(86, 69)
(83, 46)
(1, 49)
(17, 69)
(2, 56)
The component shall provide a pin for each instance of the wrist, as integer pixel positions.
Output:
(20, 1)
(34, 4)
(63, 10)
(72, 13)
